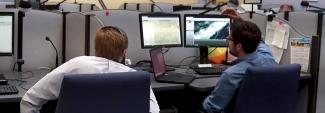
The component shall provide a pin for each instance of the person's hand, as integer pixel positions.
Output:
(231, 13)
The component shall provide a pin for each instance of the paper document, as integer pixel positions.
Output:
(281, 35)
(277, 53)
(300, 52)
(270, 27)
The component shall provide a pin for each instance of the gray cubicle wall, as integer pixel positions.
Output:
(86, 7)
(7, 62)
(306, 22)
(37, 52)
(75, 35)
(320, 108)
(295, 3)
(129, 22)
(165, 7)
(70, 7)
(259, 19)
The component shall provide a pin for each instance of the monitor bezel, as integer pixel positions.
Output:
(12, 36)
(160, 15)
(202, 16)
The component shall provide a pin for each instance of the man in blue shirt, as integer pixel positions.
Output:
(246, 44)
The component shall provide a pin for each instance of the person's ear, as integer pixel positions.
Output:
(123, 55)
(239, 47)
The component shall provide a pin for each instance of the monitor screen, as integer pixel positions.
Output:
(6, 33)
(206, 30)
(160, 30)
(158, 61)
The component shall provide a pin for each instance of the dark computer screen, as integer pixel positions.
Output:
(158, 61)
(6, 33)
(206, 30)
(160, 30)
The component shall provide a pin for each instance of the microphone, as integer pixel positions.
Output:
(306, 4)
(56, 52)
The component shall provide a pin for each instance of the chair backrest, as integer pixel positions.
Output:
(272, 89)
(127, 92)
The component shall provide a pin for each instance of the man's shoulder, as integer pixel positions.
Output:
(115, 66)
(239, 67)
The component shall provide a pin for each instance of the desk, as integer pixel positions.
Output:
(202, 83)
(21, 84)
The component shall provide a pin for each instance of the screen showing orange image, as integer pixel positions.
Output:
(217, 55)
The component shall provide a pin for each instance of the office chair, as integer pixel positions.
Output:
(127, 92)
(272, 89)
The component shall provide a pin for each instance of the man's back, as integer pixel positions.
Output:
(48, 88)
(232, 77)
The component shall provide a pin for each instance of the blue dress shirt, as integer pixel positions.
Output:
(231, 78)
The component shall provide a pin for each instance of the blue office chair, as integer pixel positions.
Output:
(127, 92)
(272, 89)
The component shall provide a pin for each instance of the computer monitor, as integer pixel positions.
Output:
(206, 31)
(160, 30)
(6, 33)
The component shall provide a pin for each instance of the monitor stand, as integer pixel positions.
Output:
(204, 58)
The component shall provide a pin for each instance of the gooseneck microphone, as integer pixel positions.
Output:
(56, 52)
(306, 4)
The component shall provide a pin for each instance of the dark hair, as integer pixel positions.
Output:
(247, 34)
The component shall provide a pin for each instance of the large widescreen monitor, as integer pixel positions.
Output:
(206, 30)
(160, 30)
(6, 33)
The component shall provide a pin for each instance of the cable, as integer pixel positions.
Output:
(179, 64)
(212, 51)
(166, 50)
(13, 68)
(102, 4)
(154, 3)
(207, 3)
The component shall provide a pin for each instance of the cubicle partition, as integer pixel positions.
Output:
(37, 52)
(75, 35)
(321, 80)
(259, 19)
(70, 7)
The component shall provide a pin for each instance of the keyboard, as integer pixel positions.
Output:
(173, 77)
(8, 89)
(210, 70)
